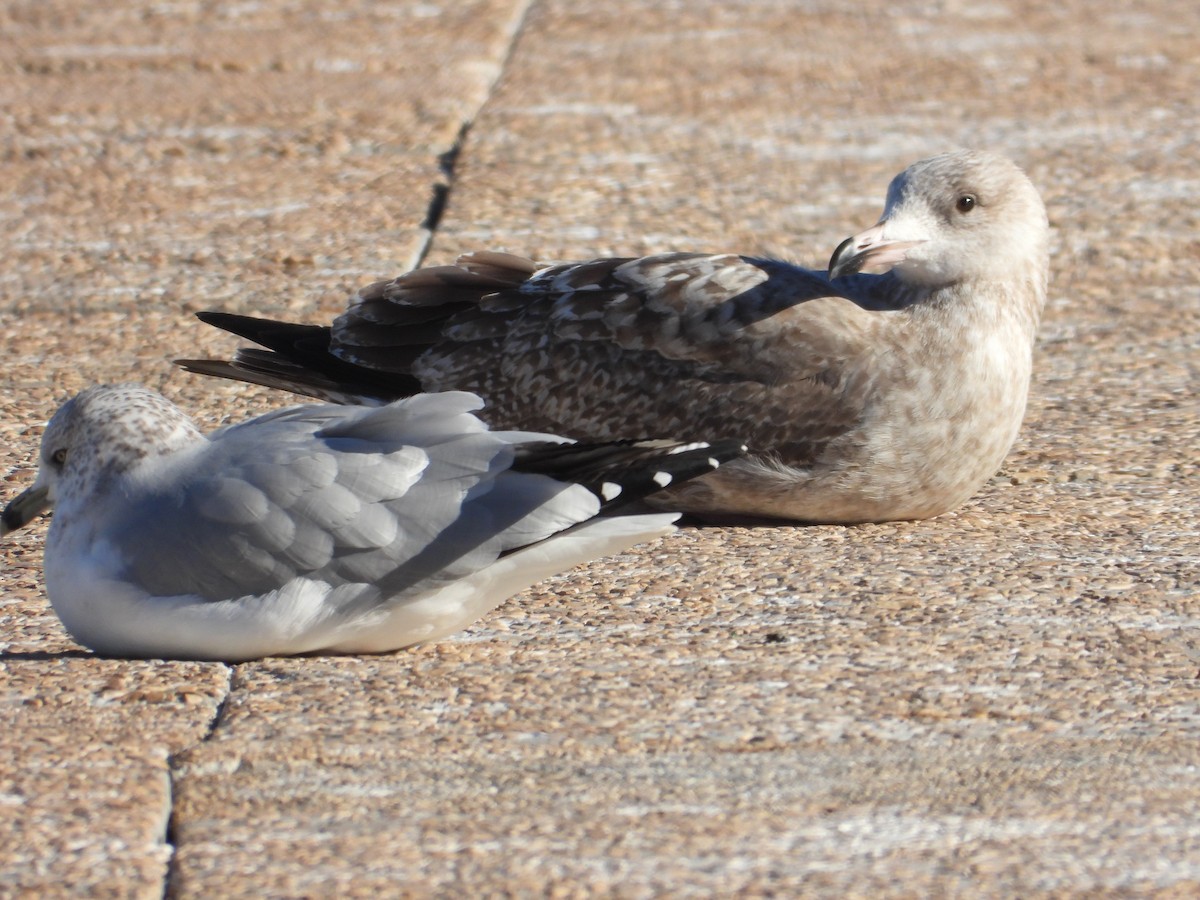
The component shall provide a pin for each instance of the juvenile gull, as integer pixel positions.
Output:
(862, 397)
(345, 529)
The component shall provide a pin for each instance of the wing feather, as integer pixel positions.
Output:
(608, 348)
(407, 496)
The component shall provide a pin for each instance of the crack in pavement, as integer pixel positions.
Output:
(448, 159)
(441, 191)
(174, 772)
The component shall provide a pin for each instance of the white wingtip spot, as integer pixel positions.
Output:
(684, 448)
(714, 462)
(610, 490)
(662, 479)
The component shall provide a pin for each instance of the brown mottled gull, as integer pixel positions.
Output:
(320, 527)
(863, 397)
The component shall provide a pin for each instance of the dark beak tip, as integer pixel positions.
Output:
(844, 261)
(9, 523)
(26, 507)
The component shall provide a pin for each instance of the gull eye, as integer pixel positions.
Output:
(59, 456)
(965, 203)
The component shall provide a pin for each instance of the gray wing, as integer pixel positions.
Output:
(408, 495)
(687, 344)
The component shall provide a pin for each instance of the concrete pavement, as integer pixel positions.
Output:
(1000, 701)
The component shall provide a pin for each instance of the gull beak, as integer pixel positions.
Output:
(24, 509)
(868, 248)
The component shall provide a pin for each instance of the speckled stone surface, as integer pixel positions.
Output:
(1001, 701)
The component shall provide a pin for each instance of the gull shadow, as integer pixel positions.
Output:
(738, 520)
(43, 655)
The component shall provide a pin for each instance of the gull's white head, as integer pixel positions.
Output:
(99, 434)
(959, 217)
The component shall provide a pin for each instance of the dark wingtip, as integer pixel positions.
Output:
(223, 320)
(620, 472)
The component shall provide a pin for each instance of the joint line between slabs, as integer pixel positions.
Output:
(170, 826)
(448, 159)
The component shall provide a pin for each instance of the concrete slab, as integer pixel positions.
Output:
(1000, 701)
(158, 160)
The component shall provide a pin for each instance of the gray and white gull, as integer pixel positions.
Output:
(863, 397)
(320, 527)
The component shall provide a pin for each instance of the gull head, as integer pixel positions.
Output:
(98, 435)
(959, 217)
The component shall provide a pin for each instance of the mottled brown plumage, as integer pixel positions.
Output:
(862, 397)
